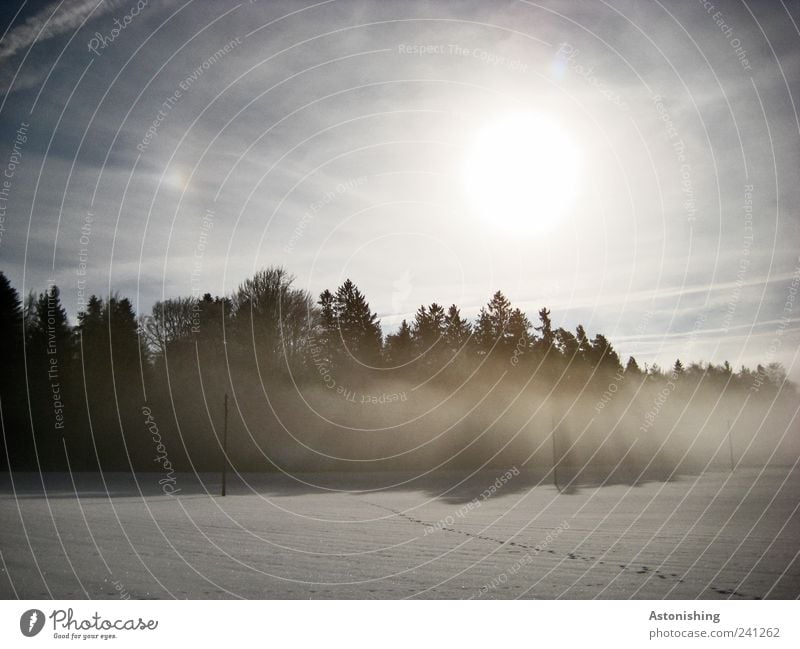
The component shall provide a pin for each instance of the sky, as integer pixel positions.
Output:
(170, 148)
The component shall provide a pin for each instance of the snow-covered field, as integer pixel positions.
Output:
(710, 536)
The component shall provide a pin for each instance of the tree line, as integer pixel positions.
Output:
(117, 391)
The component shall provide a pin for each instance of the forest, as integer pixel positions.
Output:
(313, 384)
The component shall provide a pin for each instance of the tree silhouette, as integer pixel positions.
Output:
(567, 344)
(51, 334)
(12, 378)
(358, 327)
(584, 346)
(603, 355)
(493, 321)
(400, 345)
(428, 329)
(111, 367)
(632, 367)
(518, 332)
(170, 322)
(545, 328)
(457, 330)
(271, 320)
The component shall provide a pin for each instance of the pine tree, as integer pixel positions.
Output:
(10, 331)
(632, 367)
(327, 343)
(400, 345)
(457, 330)
(127, 351)
(428, 327)
(210, 324)
(518, 331)
(545, 329)
(567, 344)
(53, 334)
(12, 379)
(603, 354)
(584, 346)
(493, 321)
(359, 328)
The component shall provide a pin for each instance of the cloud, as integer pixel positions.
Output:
(55, 19)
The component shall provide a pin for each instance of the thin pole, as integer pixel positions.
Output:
(225, 446)
(730, 443)
(555, 460)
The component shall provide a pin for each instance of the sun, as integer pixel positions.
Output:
(521, 172)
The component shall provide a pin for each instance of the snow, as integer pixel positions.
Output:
(716, 535)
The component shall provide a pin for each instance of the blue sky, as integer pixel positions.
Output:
(316, 139)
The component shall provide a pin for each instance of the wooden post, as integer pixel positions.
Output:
(730, 444)
(555, 458)
(225, 446)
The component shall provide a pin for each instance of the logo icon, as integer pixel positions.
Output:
(31, 622)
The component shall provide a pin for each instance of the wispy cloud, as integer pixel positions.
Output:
(55, 19)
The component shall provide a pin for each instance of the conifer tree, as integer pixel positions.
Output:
(358, 327)
(457, 330)
(632, 367)
(400, 345)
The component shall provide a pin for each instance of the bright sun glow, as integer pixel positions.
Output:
(522, 172)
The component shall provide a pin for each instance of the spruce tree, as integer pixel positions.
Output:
(493, 321)
(400, 345)
(358, 327)
(632, 367)
(457, 330)
(546, 336)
